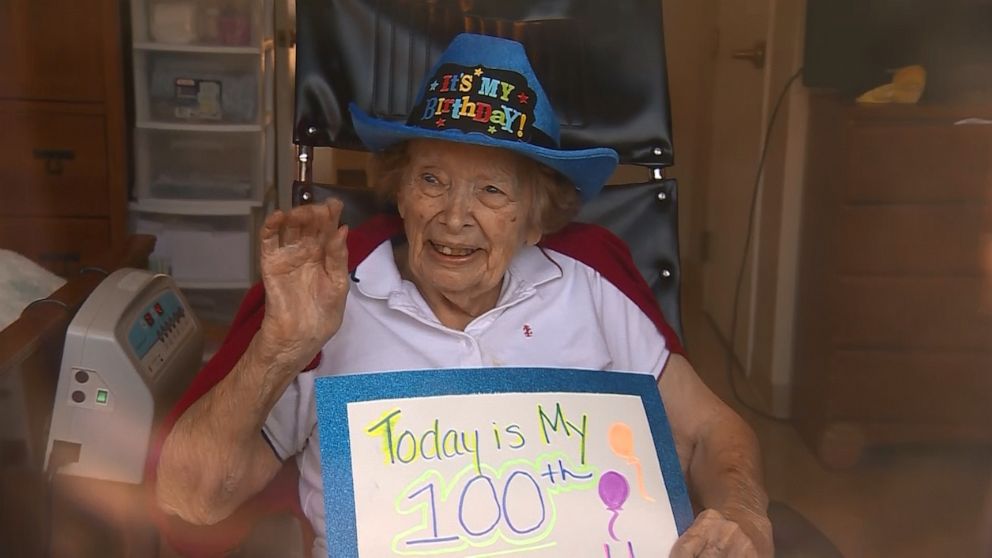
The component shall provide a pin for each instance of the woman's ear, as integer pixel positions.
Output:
(535, 217)
(400, 201)
(533, 234)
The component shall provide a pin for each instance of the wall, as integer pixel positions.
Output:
(778, 220)
(690, 42)
(769, 295)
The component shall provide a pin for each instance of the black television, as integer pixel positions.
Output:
(853, 45)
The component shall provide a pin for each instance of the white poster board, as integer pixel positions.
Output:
(500, 462)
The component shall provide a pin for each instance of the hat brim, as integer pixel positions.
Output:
(588, 169)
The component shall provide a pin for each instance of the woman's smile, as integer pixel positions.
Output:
(453, 251)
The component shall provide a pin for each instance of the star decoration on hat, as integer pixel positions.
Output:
(440, 122)
(478, 71)
(523, 98)
(492, 129)
(434, 85)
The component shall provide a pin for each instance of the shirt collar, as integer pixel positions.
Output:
(378, 277)
(530, 268)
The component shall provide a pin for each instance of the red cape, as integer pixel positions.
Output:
(590, 244)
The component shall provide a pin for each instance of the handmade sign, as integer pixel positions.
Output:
(498, 462)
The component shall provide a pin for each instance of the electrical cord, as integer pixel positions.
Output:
(46, 301)
(63, 453)
(49, 509)
(93, 269)
(729, 347)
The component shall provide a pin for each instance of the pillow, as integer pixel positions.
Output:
(21, 282)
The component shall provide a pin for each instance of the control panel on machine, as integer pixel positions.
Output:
(157, 329)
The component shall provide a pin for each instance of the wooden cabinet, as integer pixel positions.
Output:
(63, 166)
(893, 345)
(51, 49)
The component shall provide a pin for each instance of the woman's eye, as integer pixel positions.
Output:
(431, 185)
(493, 197)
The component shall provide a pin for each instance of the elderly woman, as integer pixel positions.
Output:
(474, 255)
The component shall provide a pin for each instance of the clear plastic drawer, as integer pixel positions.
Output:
(203, 251)
(195, 89)
(184, 165)
(230, 23)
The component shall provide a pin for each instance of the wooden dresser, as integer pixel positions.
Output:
(63, 169)
(893, 344)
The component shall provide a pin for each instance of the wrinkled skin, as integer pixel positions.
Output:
(304, 265)
(713, 535)
(466, 211)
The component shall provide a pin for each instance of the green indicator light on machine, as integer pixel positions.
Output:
(101, 396)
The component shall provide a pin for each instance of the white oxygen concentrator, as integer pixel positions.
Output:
(131, 350)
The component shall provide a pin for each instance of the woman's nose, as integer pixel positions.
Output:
(458, 208)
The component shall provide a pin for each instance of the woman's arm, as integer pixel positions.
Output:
(215, 457)
(720, 455)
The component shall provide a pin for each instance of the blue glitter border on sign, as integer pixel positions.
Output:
(334, 393)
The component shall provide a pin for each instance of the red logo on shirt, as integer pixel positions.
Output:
(528, 332)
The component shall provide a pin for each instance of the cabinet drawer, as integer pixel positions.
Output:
(53, 162)
(60, 245)
(937, 239)
(909, 314)
(911, 386)
(913, 163)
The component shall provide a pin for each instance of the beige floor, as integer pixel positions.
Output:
(905, 502)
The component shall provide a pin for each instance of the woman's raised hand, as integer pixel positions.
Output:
(304, 264)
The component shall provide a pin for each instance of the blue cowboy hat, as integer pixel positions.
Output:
(483, 91)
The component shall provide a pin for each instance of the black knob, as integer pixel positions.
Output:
(78, 396)
(82, 376)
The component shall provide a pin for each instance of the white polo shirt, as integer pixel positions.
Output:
(553, 311)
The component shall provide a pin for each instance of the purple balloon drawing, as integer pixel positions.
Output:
(613, 491)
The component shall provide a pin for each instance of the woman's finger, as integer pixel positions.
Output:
(704, 538)
(335, 237)
(334, 209)
(691, 544)
(741, 546)
(310, 229)
(269, 235)
(291, 230)
(336, 251)
(313, 228)
(719, 540)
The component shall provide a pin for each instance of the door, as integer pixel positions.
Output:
(737, 126)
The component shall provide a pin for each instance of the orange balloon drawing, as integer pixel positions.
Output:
(621, 439)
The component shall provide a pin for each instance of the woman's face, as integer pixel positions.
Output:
(466, 210)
